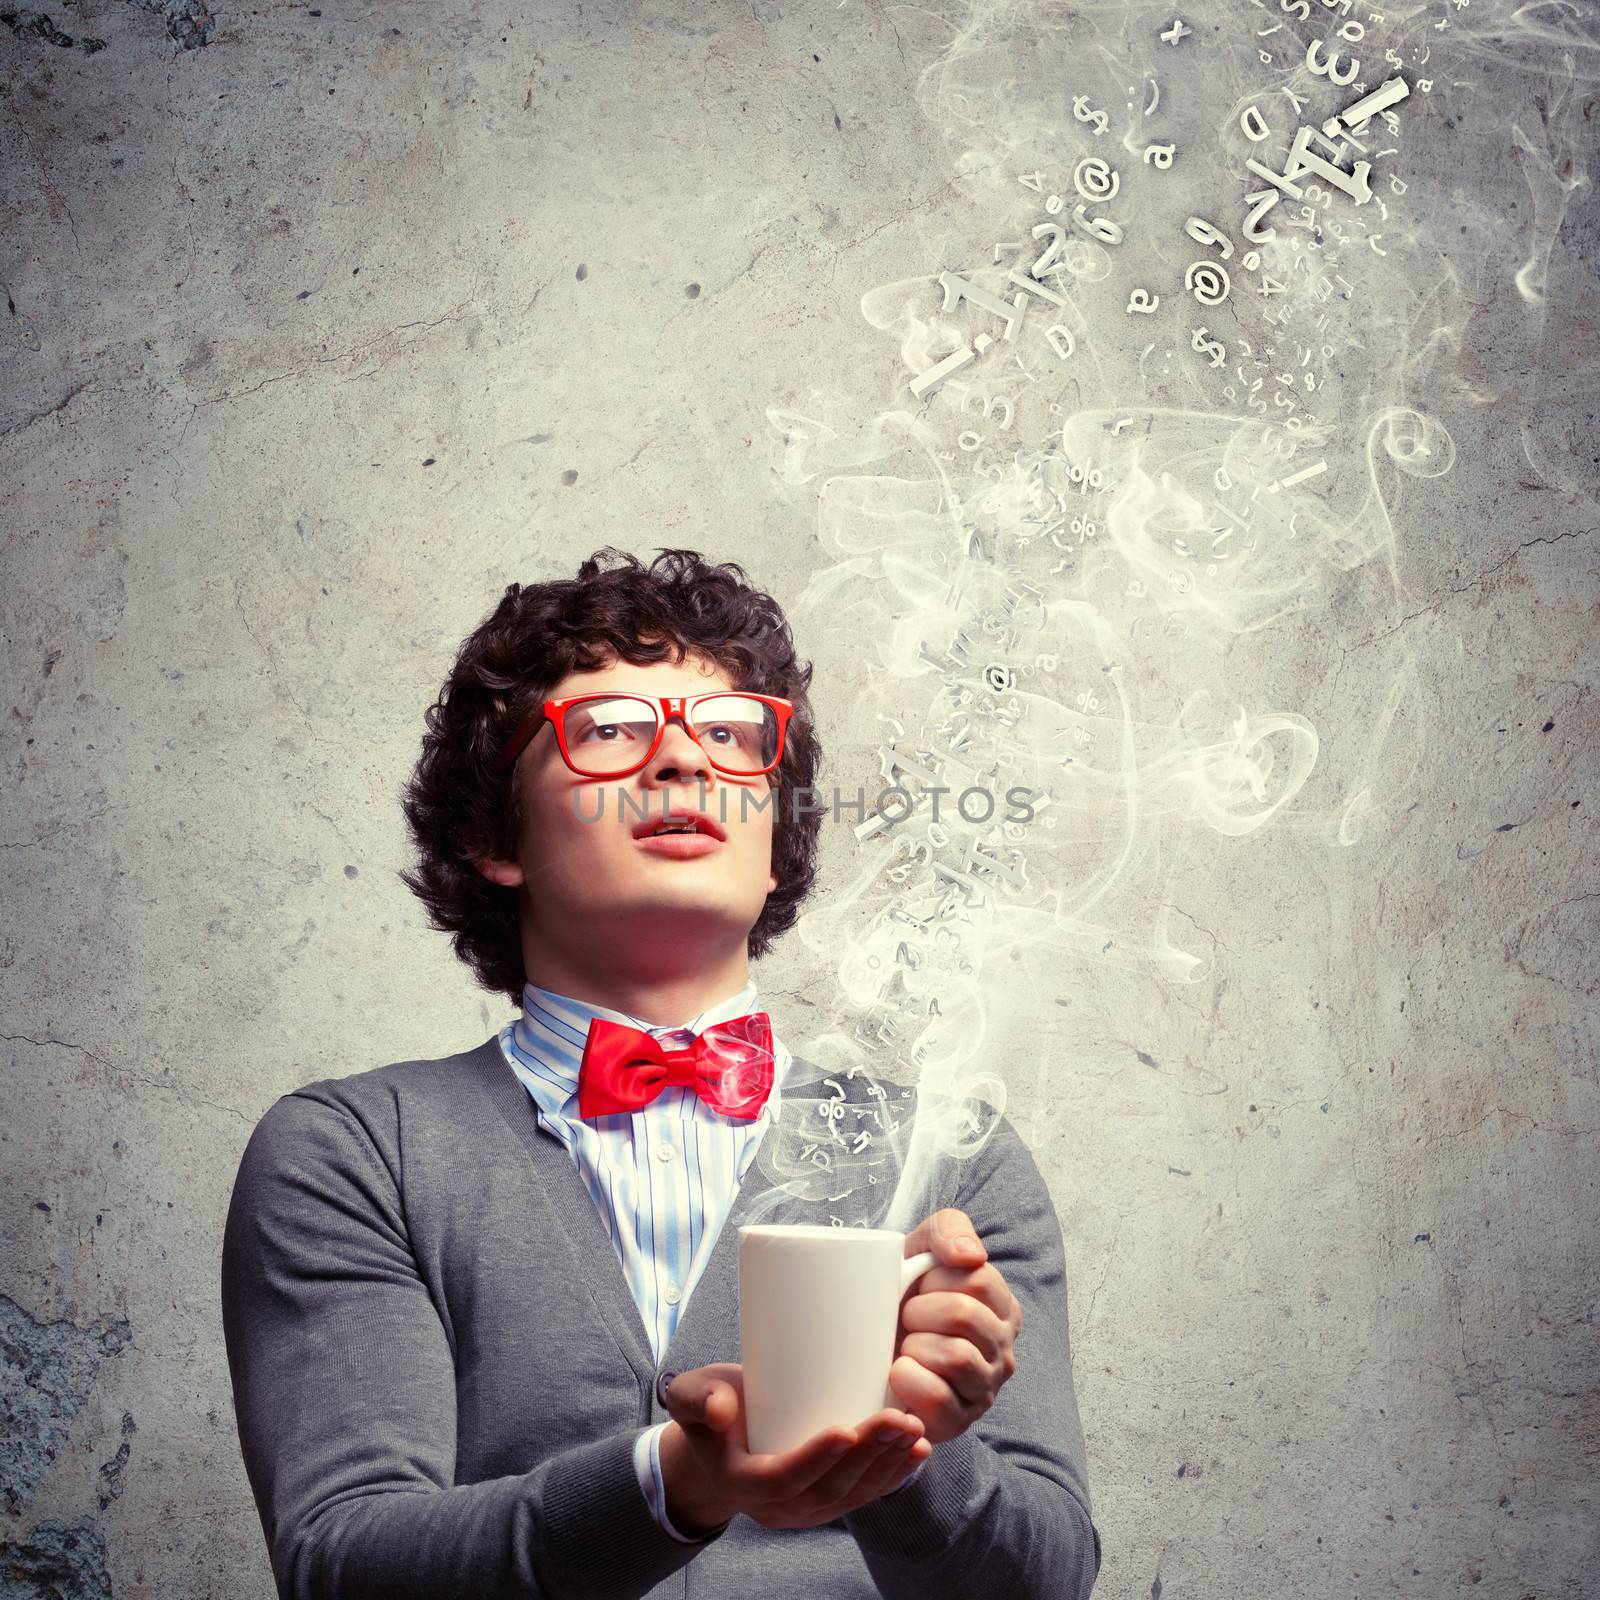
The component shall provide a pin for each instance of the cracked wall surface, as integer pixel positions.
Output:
(322, 325)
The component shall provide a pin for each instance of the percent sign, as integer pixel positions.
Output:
(1086, 481)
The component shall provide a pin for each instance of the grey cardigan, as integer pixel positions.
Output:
(439, 1372)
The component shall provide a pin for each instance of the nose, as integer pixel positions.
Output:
(680, 752)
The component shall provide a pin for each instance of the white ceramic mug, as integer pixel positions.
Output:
(819, 1310)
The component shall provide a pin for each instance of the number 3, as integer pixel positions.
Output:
(1326, 69)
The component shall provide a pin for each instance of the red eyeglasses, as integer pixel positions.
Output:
(608, 735)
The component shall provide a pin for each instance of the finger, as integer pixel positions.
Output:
(983, 1284)
(838, 1485)
(955, 1238)
(706, 1398)
(970, 1375)
(933, 1395)
(716, 1410)
(844, 1481)
(891, 1471)
(950, 1235)
(783, 1474)
(957, 1316)
(891, 1419)
(800, 1468)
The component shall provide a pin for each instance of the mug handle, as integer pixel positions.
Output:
(913, 1267)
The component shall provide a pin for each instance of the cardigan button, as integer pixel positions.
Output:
(663, 1383)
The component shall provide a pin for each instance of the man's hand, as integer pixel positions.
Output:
(954, 1349)
(710, 1475)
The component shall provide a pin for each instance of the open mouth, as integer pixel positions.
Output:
(679, 825)
(680, 846)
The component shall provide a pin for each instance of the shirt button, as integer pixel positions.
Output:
(663, 1151)
(672, 1294)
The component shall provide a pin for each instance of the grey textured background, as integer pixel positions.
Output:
(323, 328)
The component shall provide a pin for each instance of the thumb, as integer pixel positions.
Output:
(715, 1411)
(699, 1399)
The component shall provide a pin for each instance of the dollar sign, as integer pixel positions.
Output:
(1080, 109)
(1211, 347)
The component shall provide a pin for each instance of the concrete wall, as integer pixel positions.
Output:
(324, 325)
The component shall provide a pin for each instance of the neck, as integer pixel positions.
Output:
(661, 994)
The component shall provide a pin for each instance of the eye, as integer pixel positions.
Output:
(609, 721)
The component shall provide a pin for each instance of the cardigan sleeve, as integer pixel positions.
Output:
(344, 1390)
(1004, 1507)
(647, 1465)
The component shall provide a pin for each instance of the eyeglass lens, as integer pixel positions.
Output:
(609, 736)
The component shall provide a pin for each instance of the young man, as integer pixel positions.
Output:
(481, 1311)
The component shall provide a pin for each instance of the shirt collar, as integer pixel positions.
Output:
(545, 1043)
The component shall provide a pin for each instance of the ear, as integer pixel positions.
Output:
(772, 882)
(509, 874)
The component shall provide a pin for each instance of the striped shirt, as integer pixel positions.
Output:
(663, 1179)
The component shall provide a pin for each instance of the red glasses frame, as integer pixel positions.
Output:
(669, 706)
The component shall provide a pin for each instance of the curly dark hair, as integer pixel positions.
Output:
(456, 806)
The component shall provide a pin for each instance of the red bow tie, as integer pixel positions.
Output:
(729, 1066)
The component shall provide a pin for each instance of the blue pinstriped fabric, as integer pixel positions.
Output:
(662, 1179)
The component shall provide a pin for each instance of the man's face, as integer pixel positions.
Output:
(592, 879)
